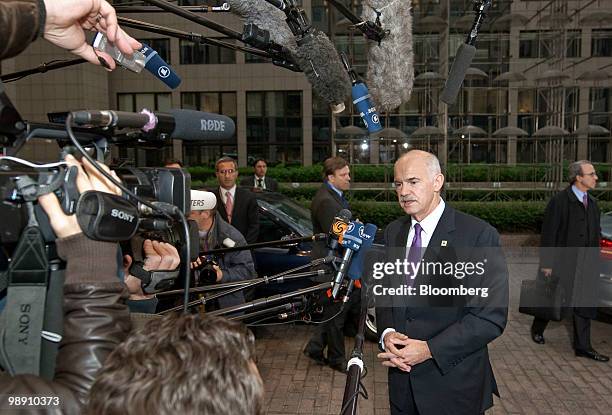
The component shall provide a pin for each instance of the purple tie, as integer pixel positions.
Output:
(585, 201)
(414, 253)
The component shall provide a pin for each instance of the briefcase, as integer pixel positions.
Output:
(542, 298)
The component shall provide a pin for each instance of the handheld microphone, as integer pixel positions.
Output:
(338, 227)
(390, 62)
(355, 271)
(185, 125)
(351, 241)
(361, 99)
(159, 68)
(464, 56)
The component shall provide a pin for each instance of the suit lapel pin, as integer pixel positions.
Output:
(444, 243)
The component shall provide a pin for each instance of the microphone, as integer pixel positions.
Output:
(266, 17)
(338, 227)
(390, 62)
(351, 241)
(355, 271)
(464, 56)
(188, 125)
(159, 68)
(361, 99)
(316, 56)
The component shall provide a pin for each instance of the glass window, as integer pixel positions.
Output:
(573, 49)
(528, 44)
(198, 53)
(136, 102)
(601, 42)
(526, 101)
(160, 45)
(274, 125)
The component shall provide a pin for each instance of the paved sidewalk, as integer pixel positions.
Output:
(533, 379)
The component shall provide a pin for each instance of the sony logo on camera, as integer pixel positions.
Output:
(116, 213)
(212, 125)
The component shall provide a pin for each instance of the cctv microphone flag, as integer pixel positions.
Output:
(159, 68)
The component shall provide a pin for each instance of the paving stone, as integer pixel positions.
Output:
(532, 379)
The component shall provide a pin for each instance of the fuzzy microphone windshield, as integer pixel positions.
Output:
(321, 64)
(390, 64)
(266, 17)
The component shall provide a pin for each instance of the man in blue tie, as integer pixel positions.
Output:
(327, 203)
(570, 254)
(436, 345)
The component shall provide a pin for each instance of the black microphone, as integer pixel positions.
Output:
(316, 56)
(185, 125)
(390, 62)
(464, 56)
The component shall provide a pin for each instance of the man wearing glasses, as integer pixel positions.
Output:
(570, 254)
(237, 205)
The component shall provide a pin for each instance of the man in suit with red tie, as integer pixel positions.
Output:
(436, 345)
(237, 205)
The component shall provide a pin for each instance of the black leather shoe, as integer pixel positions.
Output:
(537, 337)
(592, 354)
(319, 359)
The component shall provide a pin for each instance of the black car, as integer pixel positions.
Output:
(280, 217)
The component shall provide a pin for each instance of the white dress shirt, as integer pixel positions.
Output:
(428, 226)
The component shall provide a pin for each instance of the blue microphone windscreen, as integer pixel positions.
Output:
(159, 68)
(355, 270)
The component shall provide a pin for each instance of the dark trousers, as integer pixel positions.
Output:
(582, 329)
(331, 333)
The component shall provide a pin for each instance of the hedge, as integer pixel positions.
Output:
(506, 217)
(384, 173)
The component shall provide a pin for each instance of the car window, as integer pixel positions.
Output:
(291, 212)
(269, 230)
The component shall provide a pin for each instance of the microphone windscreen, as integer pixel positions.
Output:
(320, 62)
(355, 271)
(463, 60)
(390, 64)
(193, 125)
(266, 17)
(345, 214)
(159, 68)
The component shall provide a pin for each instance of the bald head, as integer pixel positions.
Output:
(419, 156)
(418, 182)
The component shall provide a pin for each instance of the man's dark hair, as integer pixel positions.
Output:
(332, 164)
(181, 364)
(258, 160)
(174, 161)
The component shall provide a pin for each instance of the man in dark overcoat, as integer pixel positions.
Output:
(570, 253)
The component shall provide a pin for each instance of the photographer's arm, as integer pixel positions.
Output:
(96, 319)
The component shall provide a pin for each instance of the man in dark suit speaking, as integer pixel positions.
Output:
(435, 341)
